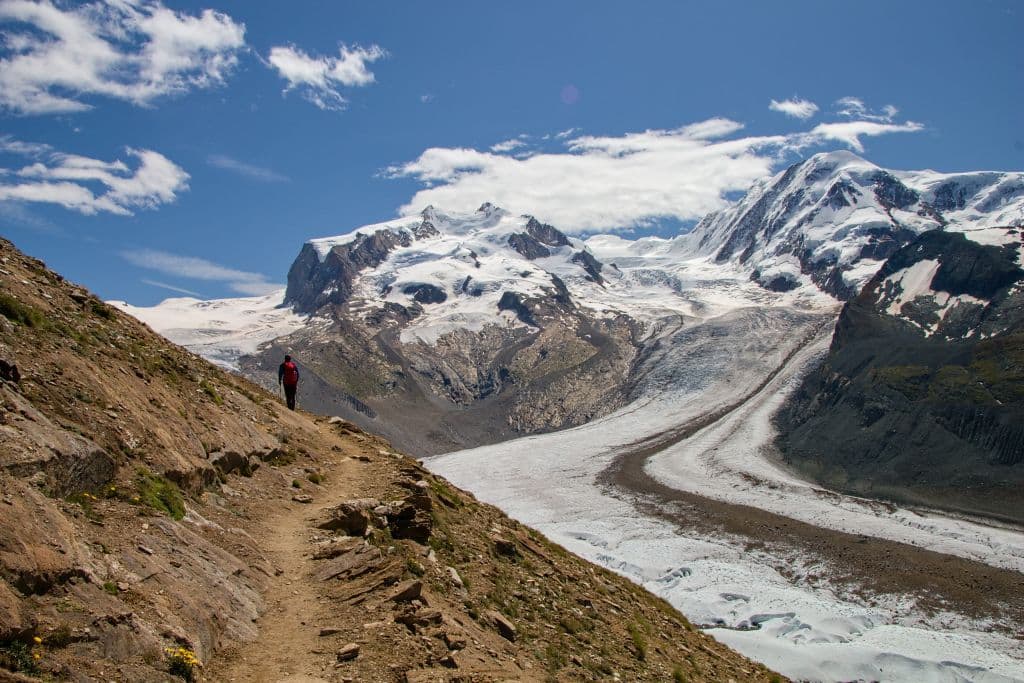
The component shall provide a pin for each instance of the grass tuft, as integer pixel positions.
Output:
(160, 494)
(20, 313)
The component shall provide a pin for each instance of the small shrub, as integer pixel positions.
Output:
(59, 637)
(775, 678)
(316, 477)
(20, 313)
(296, 484)
(182, 662)
(18, 656)
(160, 494)
(101, 309)
(639, 642)
(572, 625)
(211, 391)
(678, 676)
(415, 567)
(110, 587)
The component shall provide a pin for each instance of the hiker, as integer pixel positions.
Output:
(288, 377)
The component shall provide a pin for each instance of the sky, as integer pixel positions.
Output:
(150, 150)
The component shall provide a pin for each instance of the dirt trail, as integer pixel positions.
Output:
(862, 564)
(286, 649)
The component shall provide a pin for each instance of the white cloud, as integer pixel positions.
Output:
(566, 133)
(164, 285)
(89, 185)
(248, 170)
(796, 108)
(427, 98)
(850, 132)
(243, 282)
(854, 108)
(508, 145)
(132, 50)
(318, 78)
(602, 183)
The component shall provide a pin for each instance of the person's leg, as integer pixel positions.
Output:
(289, 394)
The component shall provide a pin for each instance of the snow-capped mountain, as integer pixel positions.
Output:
(835, 218)
(475, 327)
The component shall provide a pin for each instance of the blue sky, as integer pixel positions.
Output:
(195, 146)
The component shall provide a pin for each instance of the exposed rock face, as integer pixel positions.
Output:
(313, 283)
(919, 399)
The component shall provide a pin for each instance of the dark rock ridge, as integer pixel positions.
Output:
(914, 408)
(313, 283)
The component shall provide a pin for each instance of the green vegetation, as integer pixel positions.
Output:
(101, 309)
(639, 641)
(678, 676)
(211, 391)
(160, 494)
(110, 587)
(20, 313)
(316, 477)
(17, 656)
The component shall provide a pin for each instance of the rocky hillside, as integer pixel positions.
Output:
(164, 520)
(920, 399)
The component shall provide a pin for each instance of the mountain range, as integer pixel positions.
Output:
(447, 330)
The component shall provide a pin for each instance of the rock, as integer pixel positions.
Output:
(348, 652)
(302, 498)
(12, 621)
(329, 631)
(454, 641)
(231, 461)
(453, 576)
(411, 518)
(9, 371)
(351, 517)
(407, 591)
(360, 560)
(419, 618)
(145, 549)
(504, 547)
(505, 627)
(335, 547)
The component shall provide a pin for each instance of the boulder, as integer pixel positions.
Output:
(360, 560)
(9, 371)
(348, 652)
(411, 518)
(12, 621)
(505, 627)
(407, 591)
(352, 517)
(231, 461)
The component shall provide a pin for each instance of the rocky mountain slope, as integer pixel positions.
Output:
(920, 399)
(164, 520)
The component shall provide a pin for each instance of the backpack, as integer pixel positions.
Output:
(291, 373)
